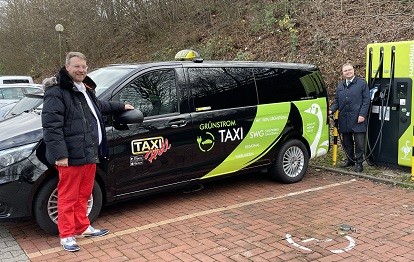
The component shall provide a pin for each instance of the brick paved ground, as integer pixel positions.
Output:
(10, 251)
(249, 219)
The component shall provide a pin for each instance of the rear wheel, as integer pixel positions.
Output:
(291, 162)
(45, 205)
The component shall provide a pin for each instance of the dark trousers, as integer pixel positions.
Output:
(353, 144)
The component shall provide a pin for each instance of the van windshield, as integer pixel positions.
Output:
(107, 76)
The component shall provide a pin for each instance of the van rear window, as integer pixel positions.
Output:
(15, 81)
(221, 88)
(276, 85)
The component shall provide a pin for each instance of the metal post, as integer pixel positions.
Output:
(59, 28)
(60, 50)
(412, 157)
(335, 139)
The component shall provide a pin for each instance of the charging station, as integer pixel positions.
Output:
(389, 74)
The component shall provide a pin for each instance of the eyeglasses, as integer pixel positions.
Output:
(80, 67)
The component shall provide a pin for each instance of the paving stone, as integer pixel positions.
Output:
(248, 218)
(10, 250)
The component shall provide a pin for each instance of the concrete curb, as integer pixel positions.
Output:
(366, 176)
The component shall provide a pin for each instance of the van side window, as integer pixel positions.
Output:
(276, 85)
(221, 88)
(154, 93)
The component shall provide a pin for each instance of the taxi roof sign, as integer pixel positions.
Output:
(187, 55)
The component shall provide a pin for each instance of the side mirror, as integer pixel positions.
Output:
(122, 120)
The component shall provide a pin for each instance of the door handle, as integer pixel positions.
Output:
(178, 123)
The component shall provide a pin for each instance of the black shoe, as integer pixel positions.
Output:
(347, 163)
(358, 168)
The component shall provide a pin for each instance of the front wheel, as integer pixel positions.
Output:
(291, 162)
(45, 205)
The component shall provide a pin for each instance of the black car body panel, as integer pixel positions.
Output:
(21, 130)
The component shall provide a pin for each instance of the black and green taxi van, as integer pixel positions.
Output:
(199, 120)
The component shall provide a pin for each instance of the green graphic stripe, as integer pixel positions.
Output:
(265, 151)
(268, 124)
(315, 128)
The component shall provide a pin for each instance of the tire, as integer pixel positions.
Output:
(45, 205)
(291, 162)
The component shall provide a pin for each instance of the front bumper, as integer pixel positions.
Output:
(12, 204)
(17, 187)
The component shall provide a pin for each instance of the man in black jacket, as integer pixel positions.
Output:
(74, 134)
(352, 101)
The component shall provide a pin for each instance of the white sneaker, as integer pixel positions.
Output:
(93, 232)
(69, 244)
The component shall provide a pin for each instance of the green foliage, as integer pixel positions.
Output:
(165, 54)
(277, 17)
(288, 24)
(267, 16)
(216, 47)
(264, 17)
(243, 56)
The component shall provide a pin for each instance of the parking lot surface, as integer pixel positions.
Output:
(325, 217)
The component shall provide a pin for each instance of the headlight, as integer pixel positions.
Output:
(16, 154)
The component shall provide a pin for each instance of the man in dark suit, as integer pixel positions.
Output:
(352, 101)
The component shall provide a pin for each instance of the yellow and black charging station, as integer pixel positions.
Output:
(389, 74)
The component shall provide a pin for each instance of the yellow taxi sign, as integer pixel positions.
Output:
(186, 54)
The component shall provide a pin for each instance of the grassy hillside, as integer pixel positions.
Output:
(321, 32)
(325, 33)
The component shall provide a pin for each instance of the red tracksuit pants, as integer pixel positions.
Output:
(74, 189)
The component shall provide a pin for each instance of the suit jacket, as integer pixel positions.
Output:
(352, 101)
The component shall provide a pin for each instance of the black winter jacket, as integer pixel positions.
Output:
(352, 101)
(69, 126)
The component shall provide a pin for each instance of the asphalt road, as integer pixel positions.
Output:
(326, 217)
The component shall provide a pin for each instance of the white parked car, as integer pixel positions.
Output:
(16, 80)
(10, 94)
(29, 103)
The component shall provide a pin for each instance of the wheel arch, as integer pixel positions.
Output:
(52, 171)
(290, 133)
(99, 178)
(294, 129)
